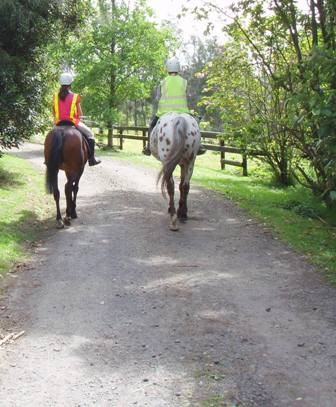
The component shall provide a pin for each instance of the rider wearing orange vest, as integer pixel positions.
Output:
(67, 110)
(173, 98)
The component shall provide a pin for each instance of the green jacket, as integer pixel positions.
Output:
(173, 95)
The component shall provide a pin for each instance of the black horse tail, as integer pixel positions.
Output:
(176, 153)
(54, 158)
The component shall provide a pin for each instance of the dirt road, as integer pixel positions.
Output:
(119, 311)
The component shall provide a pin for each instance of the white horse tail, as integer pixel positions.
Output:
(169, 164)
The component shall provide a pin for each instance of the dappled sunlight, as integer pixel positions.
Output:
(221, 315)
(189, 279)
(203, 229)
(232, 220)
(158, 261)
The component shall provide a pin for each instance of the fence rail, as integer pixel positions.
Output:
(120, 133)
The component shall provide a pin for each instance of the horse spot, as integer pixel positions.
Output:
(161, 138)
(164, 155)
(193, 133)
(163, 135)
(191, 158)
(187, 145)
(162, 149)
(193, 124)
(168, 149)
(166, 124)
(193, 143)
(168, 141)
(161, 130)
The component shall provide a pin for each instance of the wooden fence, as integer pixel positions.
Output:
(209, 138)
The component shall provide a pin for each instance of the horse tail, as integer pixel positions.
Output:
(54, 158)
(176, 153)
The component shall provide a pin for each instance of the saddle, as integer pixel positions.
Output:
(68, 123)
(65, 123)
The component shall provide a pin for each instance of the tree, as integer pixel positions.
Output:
(120, 58)
(25, 29)
(197, 54)
(296, 53)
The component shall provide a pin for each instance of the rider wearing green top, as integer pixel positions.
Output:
(173, 98)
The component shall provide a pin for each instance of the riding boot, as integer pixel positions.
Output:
(92, 160)
(146, 150)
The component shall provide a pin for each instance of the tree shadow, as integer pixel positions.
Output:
(9, 180)
(21, 233)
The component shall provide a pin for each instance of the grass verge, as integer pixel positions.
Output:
(293, 214)
(24, 209)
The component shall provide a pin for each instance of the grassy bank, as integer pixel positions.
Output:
(23, 209)
(293, 214)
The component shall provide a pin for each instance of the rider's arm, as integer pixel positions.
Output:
(79, 109)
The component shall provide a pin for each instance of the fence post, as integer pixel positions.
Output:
(222, 154)
(244, 163)
(121, 140)
(145, 138)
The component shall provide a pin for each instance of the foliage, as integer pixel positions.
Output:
(119, 58)
(251, 111)
(292, 55)
(25, 29)
(23, 209)
(198, 53)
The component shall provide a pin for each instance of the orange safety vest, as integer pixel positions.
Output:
(66, 109)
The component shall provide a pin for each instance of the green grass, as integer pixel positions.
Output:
(293, 214)
(23, 209)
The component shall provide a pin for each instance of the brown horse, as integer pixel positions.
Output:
(65, 149)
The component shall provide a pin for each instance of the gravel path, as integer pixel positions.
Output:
(119, 311)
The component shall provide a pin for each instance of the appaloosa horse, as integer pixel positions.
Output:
(65, 149)
(175, 140)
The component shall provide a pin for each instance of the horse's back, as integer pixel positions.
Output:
(164, 135)
(74, 152)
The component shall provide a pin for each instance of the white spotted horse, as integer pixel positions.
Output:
(175, 140)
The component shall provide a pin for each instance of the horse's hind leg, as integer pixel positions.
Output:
(69, 200)
(75, 189)
(182, 211)
(171, 207)
(186, 173)
(56, 193)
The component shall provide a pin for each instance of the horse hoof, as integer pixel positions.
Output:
(66, 221)
(173, 226)
(182, 216)
(74, 216)
(59, 224)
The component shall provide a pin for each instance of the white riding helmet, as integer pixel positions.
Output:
(66, 78)
(173, 65)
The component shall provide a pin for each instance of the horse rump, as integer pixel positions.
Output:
(53, 147)
(176, 152)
